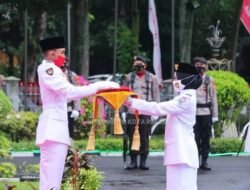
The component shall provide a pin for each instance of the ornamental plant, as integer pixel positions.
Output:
(84, 122)
(79, 173)
(233, 93)
(5, 105)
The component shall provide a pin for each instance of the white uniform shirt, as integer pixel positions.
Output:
(180, 146)
(55, 92)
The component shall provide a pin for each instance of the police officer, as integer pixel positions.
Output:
(145, 84)
(207, 112)
(52, 134)
(73, 105)
(181, 154)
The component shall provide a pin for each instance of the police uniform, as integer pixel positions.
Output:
(148, 89)
(180, 155)
(207, 108)
(52, 135)
(73, 106)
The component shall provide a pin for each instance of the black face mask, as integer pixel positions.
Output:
(200, 69)
(139, 67)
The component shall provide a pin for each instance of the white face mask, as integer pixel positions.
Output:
(178, 86)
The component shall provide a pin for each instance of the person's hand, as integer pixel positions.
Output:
(128, 102)
(102, 85)
(124, 116)
(214, 119)
(75, 114)
(154, 118)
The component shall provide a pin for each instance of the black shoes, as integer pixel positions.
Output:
(143, 165)
(205, 167)
(132, 166)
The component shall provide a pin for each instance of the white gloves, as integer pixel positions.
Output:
(154, 118)
(102, 85)
(124, 116)
(214, 119)
(128, 102)
(75, 114)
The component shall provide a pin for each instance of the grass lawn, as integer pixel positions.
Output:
(21, 185)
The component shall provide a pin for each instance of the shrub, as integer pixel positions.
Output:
(20, 125)
(7, 169)
(4, 146)
(79, 174)
(91, 179)
(84, 122)
(233, 94)
(5, 105)
(223, 145)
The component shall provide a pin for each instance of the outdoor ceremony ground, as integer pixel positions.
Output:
(228, 173)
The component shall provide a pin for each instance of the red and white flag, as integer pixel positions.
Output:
(153, 27)
(245, 14)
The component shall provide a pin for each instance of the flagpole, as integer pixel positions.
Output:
(115, 37)
(172, 38)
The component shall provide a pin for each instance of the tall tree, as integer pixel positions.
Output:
(186, 18)
(80, 37)
(235, 34)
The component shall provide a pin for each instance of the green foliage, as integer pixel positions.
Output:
(79, 174)
(23, 146)
(7, 169)
(233, 94)
(223, 145)
(32, 168)
(92, 179)
(218, 145)
(20, 125)
(207, 14)
(127, 46)
(4, 146)
(84, 122)
(5, 105)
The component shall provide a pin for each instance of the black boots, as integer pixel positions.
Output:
(133, 163)
(143, 165)
(204, 165)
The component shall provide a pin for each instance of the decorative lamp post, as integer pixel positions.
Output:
(215, 42)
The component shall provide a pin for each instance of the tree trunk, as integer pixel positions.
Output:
(40, 26)
(135, 19)
(80, 37)
(85, 66)
(235, 34)
(186, 18)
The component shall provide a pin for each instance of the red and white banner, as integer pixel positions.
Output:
(245, 14)
(153, 27)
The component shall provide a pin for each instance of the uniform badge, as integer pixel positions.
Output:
(50, 71)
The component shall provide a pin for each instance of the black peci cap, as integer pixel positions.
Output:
(52, 43)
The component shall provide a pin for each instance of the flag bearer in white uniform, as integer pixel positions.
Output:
(52, 134)
(181, 154)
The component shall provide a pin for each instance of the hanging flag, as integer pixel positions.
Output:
(245, 14)
(153, 27)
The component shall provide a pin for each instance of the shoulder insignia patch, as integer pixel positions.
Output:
(183, 100)
(50, 71)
